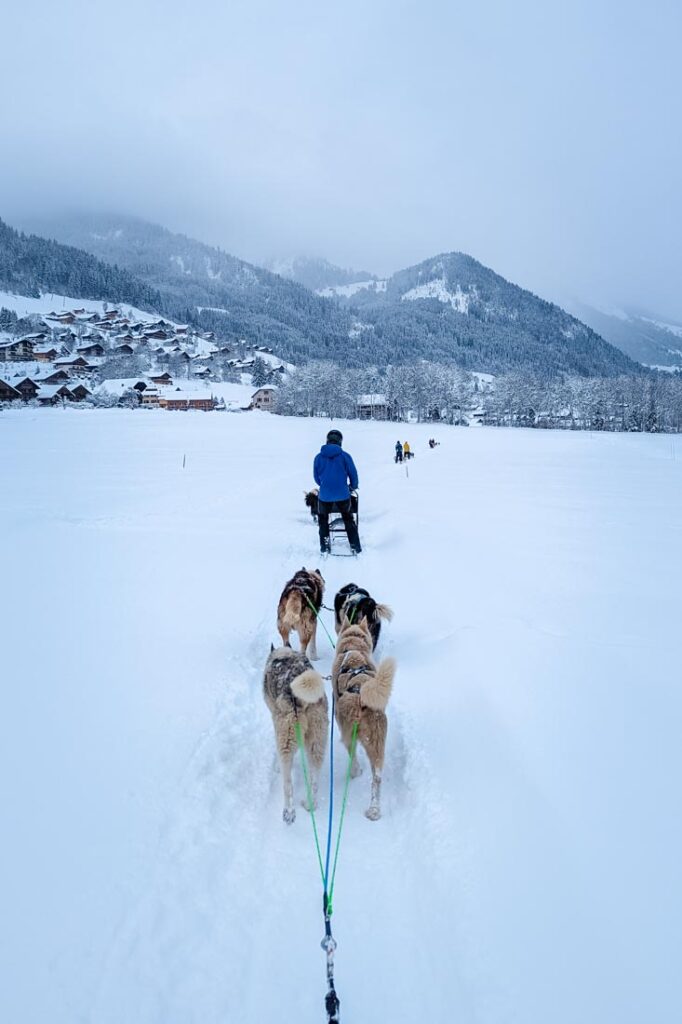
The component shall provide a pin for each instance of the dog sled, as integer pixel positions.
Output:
(338, 538)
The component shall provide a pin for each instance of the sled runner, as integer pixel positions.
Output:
(337, 531)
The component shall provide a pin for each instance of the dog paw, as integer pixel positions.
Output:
(306, 806)
(355, 770)
(288, 816)
(373, 813)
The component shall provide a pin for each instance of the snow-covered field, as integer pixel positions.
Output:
(24, 305)
(527, 866)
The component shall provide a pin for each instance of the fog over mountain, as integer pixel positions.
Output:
(448, 309)
(539, 138)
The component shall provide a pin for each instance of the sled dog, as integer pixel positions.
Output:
(357, 604)
(362, 690)
(294, 692)
(311, 500)
(294, 611)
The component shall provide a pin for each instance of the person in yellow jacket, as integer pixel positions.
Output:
(407, 451)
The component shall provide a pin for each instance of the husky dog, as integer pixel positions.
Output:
(311, 500)
(294, 692)
(362, 690)
(304, 589)
(357, 604)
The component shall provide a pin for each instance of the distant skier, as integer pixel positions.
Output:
(334, 470)
(398, 452)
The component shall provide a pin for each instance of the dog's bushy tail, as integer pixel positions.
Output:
(376, 690)
(308, 687)
(382, 611)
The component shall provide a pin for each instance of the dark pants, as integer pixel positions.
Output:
(343, 507)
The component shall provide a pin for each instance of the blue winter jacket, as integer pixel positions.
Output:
(333, 469)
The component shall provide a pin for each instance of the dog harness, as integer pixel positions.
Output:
(352, 673)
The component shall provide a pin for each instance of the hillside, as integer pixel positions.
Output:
(30, 265)
(448, 309)
(452, 304)
(231, 297)
(648, 339)
(317, 274)
(526, 867)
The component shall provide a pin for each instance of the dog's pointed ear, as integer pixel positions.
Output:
(272, 647)
(363, 625)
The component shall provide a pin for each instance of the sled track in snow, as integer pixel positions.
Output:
(230, 922)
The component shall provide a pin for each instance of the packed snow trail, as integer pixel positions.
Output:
(526, 864)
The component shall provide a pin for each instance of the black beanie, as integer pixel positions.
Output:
(334, 437)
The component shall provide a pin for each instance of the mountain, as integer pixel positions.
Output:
(648, 339)
(30, 265)
(448, 309)
(455, 308)
(318, 274)
(230, 296)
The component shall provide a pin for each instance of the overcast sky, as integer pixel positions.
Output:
(542, 137)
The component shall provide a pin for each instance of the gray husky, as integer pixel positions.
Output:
(294, 692)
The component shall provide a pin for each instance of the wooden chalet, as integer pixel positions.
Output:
(371, 407)
(8, 393)
(56, 377)
(174, 402)
(17, 351)
(45, 355)
(79, 391)
(95, 349)
(124, 350)
(54, 394)
(182, 400)
(28, 388)
(161, 378)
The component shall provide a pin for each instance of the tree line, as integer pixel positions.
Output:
(431, 392)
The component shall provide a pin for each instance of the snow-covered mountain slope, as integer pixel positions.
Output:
(452, 303)
(318, 274)
(461, 311)
(526, 867)
(650, 340)
(46, 302)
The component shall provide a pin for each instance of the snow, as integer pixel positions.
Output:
(49, 302)
(438, 289)
(675, 329)
(348, 290)
(526, 868)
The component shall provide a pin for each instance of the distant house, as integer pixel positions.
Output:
(201, 370)
(55, 377)
(79, 391)
(95, 349)
(151, 396)
(161, 378)
(157, 335)
(264, 398)
(124, 350)
(54, 394)
(16, 351)
(71, 363)
(45, 355)
(372, 407)
(175, 401)
(27, 387)
(181, 400)
(8, 393)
